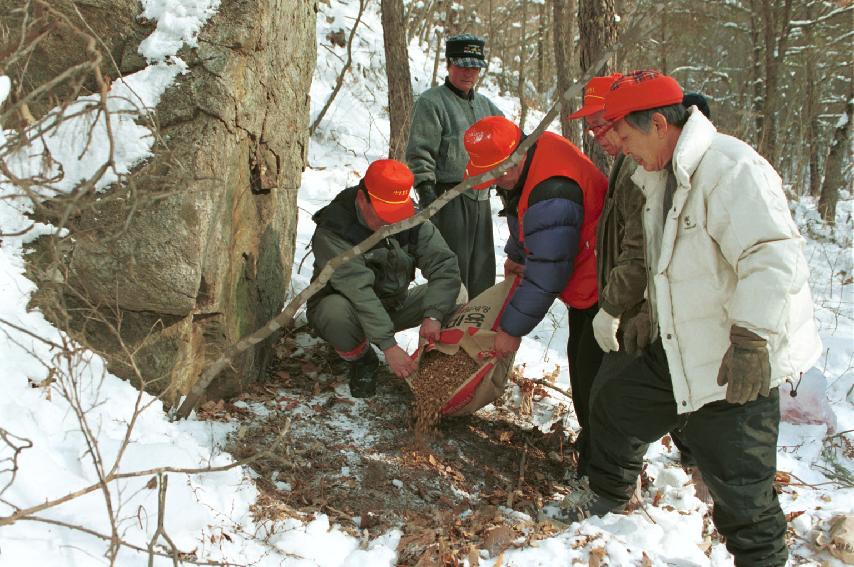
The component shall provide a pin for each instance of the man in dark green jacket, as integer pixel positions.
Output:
(437, 157)
(368, 298)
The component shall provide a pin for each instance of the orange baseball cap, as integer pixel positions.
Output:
(388, 183)
(594, 95)
(489, 141)
(641, 90)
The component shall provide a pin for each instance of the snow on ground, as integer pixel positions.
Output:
(210, 513)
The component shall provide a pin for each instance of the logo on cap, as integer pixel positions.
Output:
(388, 183)
(489, 141)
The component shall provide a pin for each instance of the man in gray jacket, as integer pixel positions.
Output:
(368, 298)
(732, 318)
(437, 157)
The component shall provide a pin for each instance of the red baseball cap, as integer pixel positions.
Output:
(594, 95)
(641, 90)
(388, 183)
(489, 141)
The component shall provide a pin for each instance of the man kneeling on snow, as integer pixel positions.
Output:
(368, 298)
(731, 311)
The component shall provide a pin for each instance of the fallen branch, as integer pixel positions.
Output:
(184, 558)
(541, 382)
(27, 513)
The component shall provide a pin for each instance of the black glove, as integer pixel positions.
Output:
(426, 194)
(637, 331)
(746, 367)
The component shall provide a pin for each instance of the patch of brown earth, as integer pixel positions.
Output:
(355, 461)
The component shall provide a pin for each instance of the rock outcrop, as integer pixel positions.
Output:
(199, 252)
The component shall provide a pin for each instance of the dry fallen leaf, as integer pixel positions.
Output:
(596, 557)
(781, 477)
(497, 539)
(792, 515)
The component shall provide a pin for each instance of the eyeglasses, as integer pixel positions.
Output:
(600, 130)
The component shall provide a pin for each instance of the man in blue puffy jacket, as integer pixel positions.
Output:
(553, 198)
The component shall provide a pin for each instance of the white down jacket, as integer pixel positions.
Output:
(730, 254)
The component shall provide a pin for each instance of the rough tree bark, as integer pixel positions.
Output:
(837, 158)
(434, 78)
(563, 16)
(776, 43)
(812, 92)
(541, 49)
(520, 86)
(598, 31)
(399, 81)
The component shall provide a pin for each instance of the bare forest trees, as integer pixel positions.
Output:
(776, 17)
(775, 72)
(397, 71)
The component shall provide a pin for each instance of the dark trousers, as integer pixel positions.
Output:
(583, 357)
(466, 226)
(734, 446)
(335, 319)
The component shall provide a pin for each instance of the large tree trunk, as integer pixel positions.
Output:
(523, 50)
(541, 50)
(837, 158)
(812, 94)
(397, 71)
(598, 32)
(563, 16)
(758, 79)
(434, 79)
(775, 53)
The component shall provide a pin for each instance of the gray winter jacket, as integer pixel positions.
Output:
(435, 152)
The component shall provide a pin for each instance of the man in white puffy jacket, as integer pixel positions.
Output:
(731, 312)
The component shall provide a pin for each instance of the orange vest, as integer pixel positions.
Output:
(556, 156)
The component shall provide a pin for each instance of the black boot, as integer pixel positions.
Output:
(582, 503)
(362, 374)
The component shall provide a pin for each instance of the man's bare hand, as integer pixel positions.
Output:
(513, 269)
(399, 362)
(429, 330)
(505, 344)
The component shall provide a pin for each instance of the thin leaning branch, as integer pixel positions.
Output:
(285, 318)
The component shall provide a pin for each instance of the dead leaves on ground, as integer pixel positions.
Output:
(457, 535)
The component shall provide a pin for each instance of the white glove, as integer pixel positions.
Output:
(605, 330)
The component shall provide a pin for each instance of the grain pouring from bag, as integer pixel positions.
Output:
(439, 376)
(459, 375)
